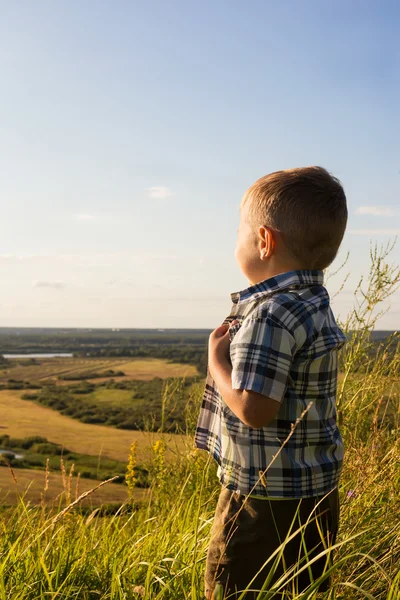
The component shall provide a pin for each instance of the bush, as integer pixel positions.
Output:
(8, 457)
(163, 401)
(49, 448)
(28, 442)
(30, 396)
(83, 375)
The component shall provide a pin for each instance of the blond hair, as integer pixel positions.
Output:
(307, 206)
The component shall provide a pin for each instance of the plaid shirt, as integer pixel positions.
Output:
(284, 347)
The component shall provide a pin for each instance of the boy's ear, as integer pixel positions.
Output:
(266, 242)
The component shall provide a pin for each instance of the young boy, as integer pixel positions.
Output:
(274, 362)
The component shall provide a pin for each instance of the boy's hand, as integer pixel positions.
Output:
(253, 409)
(218, 346)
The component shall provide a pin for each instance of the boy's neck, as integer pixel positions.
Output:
(272, 270)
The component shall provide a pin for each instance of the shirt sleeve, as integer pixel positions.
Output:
(261, 355)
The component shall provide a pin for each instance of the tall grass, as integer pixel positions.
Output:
(157, 550)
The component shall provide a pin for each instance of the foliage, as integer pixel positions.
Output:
(154, 405)
(91, 375)
(17, 384)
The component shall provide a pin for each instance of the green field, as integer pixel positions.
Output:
(115, 397)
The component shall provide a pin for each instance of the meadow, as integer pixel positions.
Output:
(155, 549)
(96, 451)
(23, 418)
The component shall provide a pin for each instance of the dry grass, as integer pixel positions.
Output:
(23, 418)
(31, 484)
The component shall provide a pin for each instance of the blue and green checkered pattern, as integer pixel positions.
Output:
(284, 346)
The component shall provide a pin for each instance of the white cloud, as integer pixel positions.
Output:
(161, 257)
(159, 191)
(87, 258)
(376, 211)
(86, 217)
(55, 285)
(375, 232)
(17, 257)
(97, 218)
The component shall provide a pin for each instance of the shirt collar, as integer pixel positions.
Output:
(280, 283)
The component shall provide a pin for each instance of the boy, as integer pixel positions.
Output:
(274, 362)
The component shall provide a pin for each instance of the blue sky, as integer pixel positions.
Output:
(130, 130)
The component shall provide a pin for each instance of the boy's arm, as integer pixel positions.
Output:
(254, 409)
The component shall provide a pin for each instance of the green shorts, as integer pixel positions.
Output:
(242, 540)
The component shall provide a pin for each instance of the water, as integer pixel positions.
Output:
(61, 355)
(17, 456)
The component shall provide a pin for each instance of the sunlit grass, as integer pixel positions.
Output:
(157, 551)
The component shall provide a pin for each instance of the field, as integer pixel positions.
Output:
(22, 418)
(173, 346)
(53, 368)
(25, 419)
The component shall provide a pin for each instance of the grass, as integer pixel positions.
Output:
(157, 551)
(30, 485)
(111, 396)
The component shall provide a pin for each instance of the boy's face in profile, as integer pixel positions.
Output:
(260, 251)
(249, 248)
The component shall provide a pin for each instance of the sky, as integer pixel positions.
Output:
(129, 132)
